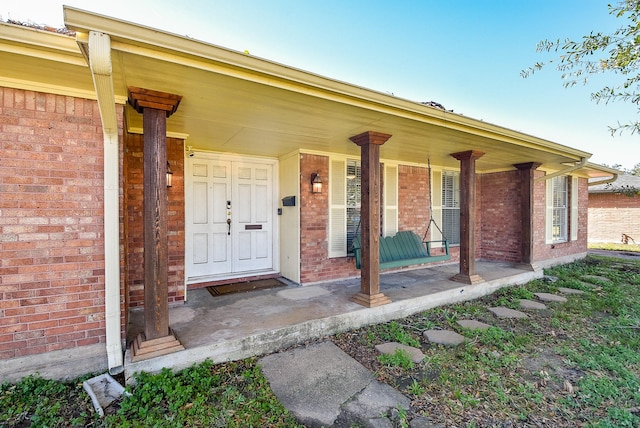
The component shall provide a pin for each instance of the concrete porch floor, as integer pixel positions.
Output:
(236, 326)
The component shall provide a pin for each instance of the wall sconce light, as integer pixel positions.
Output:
(169, 175)
(316, 183)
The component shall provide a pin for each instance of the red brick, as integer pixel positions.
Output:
(52, 203)
(611, 215)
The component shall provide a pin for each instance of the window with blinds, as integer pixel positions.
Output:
(344, 203)
(560, 212)
(451, 206)
(561, 209)
(353, 200)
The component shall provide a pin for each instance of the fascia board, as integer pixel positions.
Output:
(30, 40)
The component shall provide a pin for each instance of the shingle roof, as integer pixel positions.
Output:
(621, 181)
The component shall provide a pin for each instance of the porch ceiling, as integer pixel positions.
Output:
(228, 114)
(237, 103)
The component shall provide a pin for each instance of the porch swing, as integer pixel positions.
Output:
(406, 248)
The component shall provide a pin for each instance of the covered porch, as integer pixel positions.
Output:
(236, 326)
(233, 104)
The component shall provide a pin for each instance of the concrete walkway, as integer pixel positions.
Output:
(237, 326)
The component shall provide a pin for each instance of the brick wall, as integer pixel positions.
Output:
(413, 199)
(413, 214)
(413, 203)
(314, 222)
(133, 228)
(611, 215)
(51, 224)
(543, 251)
(500, 216)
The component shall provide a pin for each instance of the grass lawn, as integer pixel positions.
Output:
(572, 364)
(631, 248)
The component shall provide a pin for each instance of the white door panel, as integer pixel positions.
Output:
(252, 225)
(229, 217)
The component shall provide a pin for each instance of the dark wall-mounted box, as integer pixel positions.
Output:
(289, 201)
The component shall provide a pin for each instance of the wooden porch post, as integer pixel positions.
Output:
(158, 338)
(370, 294)
(527, 175)
(467, 272)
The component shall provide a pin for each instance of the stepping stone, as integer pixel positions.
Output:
(315, 382)
(596, 277)
(549, 278)
(502, 312)
(530, 304)
(391, 347)
(570, 291)
(444, 337)
(473, 324)
(548, 297)
(588, 284)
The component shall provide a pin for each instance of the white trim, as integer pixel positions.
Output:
(573, 213)
(436, 204)
(390, 199)
(337, 230)
(289, 244)
(549, 211)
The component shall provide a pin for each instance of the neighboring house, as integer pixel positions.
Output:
(614, 210)
(88, 125)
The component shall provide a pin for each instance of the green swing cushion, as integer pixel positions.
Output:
(403, 249)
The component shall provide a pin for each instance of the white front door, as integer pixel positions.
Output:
(229, 217)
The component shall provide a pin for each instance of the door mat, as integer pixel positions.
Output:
(243, 287)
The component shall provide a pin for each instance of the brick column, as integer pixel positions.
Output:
(467, 272)
(527, 171)
(157, 339)
(370, 294)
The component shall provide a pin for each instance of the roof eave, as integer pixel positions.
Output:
(275, 74)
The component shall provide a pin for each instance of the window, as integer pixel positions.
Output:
(560, 215)
(451, 206)
(353, 200)
(344, 203)
(562, 209)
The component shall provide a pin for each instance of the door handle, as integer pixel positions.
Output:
(228, 217)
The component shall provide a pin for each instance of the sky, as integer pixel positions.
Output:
(465, 54)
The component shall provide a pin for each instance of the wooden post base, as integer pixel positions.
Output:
(467, 279)
(142, 349)
(370, 301)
